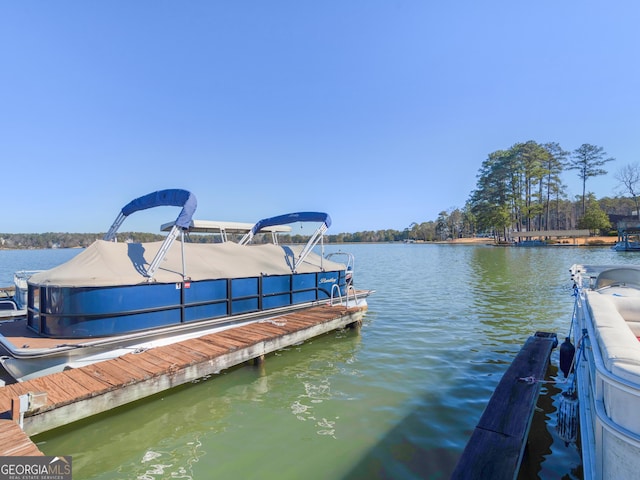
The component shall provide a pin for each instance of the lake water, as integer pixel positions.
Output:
(398, 399)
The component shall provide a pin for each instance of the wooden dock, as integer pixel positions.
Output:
(14, 442)
(497, 444)
(79, 393)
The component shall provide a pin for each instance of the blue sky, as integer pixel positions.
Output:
(377, 112)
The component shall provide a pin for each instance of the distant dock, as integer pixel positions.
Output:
(78, 393)
(497, 444)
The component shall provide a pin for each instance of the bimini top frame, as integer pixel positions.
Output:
(317, 236)
(223, 228)
(171, 197)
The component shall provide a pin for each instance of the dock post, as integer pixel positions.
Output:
(15, 409)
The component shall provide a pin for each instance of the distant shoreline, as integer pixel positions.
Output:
(579, 241)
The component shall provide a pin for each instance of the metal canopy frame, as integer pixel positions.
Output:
(317, 237)
(170, 197)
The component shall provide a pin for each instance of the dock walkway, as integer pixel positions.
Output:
(14, 442)
(78, 393)
(497, 444)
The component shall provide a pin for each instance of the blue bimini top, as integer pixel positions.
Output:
(171, 197)
(292, 218)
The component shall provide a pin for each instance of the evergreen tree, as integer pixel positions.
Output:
(588, 160)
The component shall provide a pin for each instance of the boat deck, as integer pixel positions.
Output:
(81, 392)
(17, 333)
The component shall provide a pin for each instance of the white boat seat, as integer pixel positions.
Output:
(629, 308)
(619, 345)
(619, 276)
(620, 350)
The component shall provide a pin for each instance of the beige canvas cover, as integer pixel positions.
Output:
(108, 264)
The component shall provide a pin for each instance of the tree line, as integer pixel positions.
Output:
(521, 189)
(453, 223)
(66, 240)
(518, 189)
(82, 240)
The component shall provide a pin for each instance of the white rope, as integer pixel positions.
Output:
(531, 380)
(277, 324)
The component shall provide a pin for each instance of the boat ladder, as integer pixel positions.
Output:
(350, 290)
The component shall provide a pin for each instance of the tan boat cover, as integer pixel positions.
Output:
(108, 264)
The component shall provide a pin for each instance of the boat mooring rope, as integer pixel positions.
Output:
(273, 322)
(567, 417)
(575, 308)
(531, 380)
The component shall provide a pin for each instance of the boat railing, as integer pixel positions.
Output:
(349, 262)
(21, 283)
(21, 277)
(350, 259)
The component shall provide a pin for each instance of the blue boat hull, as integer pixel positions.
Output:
(78, 312)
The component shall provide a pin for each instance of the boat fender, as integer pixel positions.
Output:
(567, 352)
(567, 426)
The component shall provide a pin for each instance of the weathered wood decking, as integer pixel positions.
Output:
(14, 442)
(497, 444)
(79, 393)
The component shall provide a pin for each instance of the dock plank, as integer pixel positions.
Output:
(177, 356)
(195, 355)
(269, 330)
(128, 364)
(13, 391)
(152, 363)
(56, 393)
(230, 341)
(225, 344)
(243, 336)
(68, 390)
(84, 377)
(14, 442)
(246, 332)
(208, 349)
(304, 320)
(110, 373)
(5, 400)
(497, 444)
